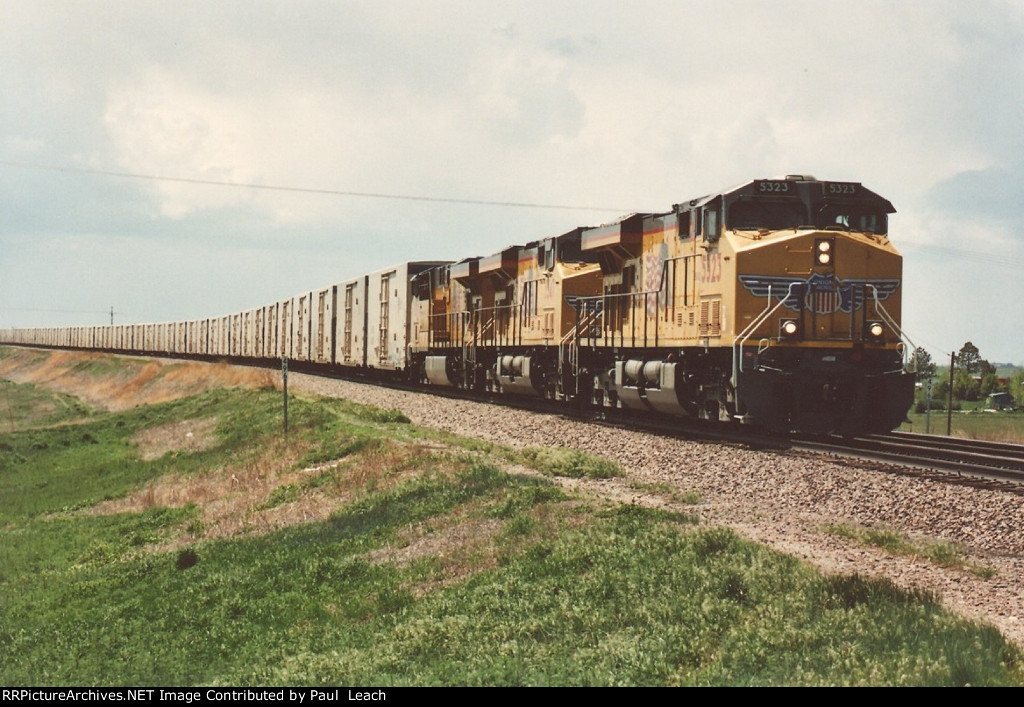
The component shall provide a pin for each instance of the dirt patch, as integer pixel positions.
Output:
(464, 547)
(440, 543)
(183, 436)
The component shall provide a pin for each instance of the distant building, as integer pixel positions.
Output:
(1000, 401)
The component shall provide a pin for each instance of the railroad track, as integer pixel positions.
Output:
(995, 460)
(973, 460)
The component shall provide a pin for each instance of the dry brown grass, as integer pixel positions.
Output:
(233, 500)
(184, 436)
(135, 382)
(380, 468)
(228, 498)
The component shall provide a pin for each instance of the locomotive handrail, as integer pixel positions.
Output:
(590, 317)
(446, 333)
(572, 339)
(633, 297)
(741, 338)
(888, 317)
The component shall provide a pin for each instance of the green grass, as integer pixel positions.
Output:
(941, 554)
(25, 406)
(71, 466)
(995, 426)
(667, 490)
(559, 461)
(435, 567)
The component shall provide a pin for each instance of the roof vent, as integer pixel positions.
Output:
(800, 178)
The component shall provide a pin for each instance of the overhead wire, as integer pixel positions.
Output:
(305, 190)
(57, 311)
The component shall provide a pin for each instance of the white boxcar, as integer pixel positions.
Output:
(257, 332)
(191, 337)
(219, 336)
(388, 308)
(301, 326)
(234, 333)
(174, 331)
(350, 339)
(203, 345)
(247, 335)
(163, 337)
(323, 324)
(285, 328)
(271, 330)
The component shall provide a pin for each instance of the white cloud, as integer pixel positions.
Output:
(160, 126)
(629, 107)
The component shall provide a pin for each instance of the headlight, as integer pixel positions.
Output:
(823, 251)
(875, 331)
(789, 328)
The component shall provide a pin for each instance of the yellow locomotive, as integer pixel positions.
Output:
(775, 302)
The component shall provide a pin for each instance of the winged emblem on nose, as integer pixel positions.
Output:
(822, 294)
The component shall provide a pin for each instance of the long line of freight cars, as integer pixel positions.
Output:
(331, 325)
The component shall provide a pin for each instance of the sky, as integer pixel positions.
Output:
(365, 134)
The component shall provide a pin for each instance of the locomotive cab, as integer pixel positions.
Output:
(817, 292)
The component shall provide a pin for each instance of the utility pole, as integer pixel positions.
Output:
(928, 408)
(111, 316)
(284, 386)
(949, 402)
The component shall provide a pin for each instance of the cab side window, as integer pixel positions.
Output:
(712, 223)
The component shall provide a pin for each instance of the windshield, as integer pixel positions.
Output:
(851, 218)
(778, 215)
(770, 215)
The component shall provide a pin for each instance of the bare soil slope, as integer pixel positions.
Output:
(131, 382)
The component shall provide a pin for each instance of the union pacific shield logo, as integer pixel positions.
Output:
(821, 294)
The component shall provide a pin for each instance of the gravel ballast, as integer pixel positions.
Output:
(784, 501)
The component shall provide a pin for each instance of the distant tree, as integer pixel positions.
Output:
(1016, 387)
(965, 386)
(969, 358)
(989, 383)
(921, 362)
(985, 368)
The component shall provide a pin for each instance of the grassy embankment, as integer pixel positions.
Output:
(187, 542)
(971, 424)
